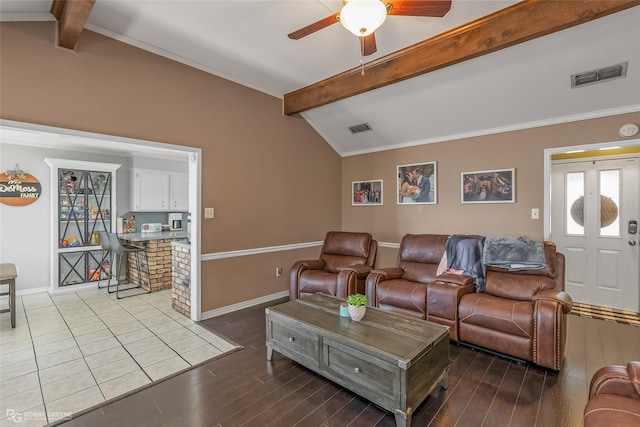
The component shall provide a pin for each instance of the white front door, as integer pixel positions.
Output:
(594, 206)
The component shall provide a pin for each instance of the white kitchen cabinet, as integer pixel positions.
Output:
(159, 191)
(179, 191)
(150, 190)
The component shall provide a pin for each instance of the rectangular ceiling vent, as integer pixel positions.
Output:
(360, 128)
(600, 75)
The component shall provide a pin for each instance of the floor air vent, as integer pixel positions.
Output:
(360, 128)
(600, 75)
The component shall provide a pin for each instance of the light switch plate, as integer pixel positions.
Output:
(535, 213)
(208, 213)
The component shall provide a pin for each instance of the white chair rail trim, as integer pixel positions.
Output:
(258, 251)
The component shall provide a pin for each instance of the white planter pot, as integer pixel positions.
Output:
(357, 312)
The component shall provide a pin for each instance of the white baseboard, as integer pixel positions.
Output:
(31, 291)
(245, 304)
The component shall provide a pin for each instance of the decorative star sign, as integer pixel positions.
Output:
(17, 171)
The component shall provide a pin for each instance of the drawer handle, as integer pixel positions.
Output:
(357, 370)
(292, 339)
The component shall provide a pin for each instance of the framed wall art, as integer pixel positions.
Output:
(366, 193)
(417, 184)
(491, 186)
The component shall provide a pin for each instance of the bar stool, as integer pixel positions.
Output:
(8, 274)
(118, 248)
(105, 243)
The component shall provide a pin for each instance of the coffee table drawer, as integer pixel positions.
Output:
(295, 343)
(364, 374)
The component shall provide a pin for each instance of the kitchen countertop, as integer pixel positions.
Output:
(160, 235)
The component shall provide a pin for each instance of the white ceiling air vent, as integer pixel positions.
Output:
(600, 75)
(360, 128)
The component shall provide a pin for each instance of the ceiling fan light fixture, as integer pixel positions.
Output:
(363, 17)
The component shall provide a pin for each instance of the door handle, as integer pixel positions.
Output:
(632, 242)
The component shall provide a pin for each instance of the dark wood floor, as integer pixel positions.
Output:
(244, 389)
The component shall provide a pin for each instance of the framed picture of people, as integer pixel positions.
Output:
(491, 186)
(417, 184)
(366, 193)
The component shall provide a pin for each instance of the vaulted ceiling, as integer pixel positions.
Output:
(489, 76)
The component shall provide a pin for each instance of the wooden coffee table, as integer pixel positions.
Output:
(392, 360)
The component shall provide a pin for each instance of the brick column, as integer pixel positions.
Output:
(181, 279)
(158, 254)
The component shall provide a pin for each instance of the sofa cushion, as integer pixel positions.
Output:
(347, 244)
(402, 296)
(420, 254)
(342, 249)
(315, 281)
(518, 287)
(499, 314)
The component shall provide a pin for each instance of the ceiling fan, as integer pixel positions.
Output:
(362, 17)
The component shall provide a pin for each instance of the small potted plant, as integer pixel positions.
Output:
(357, 306)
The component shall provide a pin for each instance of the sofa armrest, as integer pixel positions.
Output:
(375, 277)
(617, 380)
(309, 264)
(457, 279)
(561, 297)
(443, 298)
(298, 268)
(360, 270)
(633, 368)
(351, 280)
(550, 311)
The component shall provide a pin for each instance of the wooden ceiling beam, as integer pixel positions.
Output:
(515, 24)
(72, 16)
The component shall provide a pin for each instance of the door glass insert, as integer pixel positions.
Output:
(609, 202)
(574, 221)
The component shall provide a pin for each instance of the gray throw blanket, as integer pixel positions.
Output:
(513, 252)
(465, 253)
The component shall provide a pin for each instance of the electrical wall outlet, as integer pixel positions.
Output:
(208, 213)
(278, 271)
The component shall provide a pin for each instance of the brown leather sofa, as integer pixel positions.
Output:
(614, 397)
(345, 261)
(520, 313)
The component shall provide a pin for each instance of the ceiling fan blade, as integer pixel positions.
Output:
(316, 26)
(368, 45)
(437, 8)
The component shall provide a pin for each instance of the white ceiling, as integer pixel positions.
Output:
(246, 42)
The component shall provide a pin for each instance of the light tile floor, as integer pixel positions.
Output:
(69, 352)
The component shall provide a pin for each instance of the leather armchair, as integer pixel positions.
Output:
(403, 289)
(345, 261)
(614, 397)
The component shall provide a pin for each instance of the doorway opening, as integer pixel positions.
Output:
(591, 213)
(30, 134)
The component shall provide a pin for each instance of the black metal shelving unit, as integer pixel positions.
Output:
(84, 208)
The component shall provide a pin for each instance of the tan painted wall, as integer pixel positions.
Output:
(229, 287)
(522, 150)
(253, 157)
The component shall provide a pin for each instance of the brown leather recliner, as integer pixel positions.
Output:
(403, 289)
(614, 397)
(345, 261)
(521, 313)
